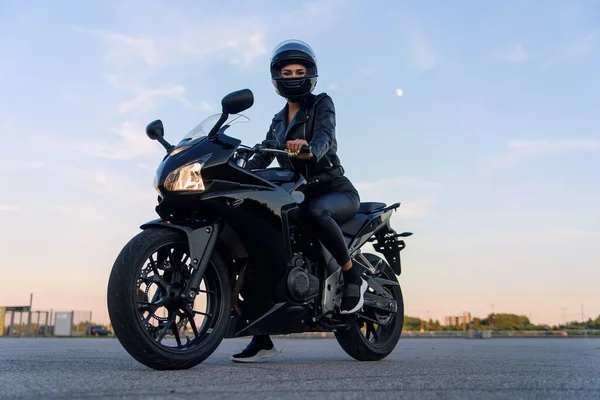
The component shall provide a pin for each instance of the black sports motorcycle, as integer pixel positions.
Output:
(233, 255)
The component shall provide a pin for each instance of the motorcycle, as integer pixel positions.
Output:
(232, 254)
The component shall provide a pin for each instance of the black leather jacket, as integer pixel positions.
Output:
(318, 130)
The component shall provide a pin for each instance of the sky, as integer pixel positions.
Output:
(481, 118)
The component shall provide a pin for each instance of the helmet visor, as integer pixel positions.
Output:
(293, 44)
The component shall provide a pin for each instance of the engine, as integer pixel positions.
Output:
(302, 286)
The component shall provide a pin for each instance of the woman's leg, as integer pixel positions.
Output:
(326, 211)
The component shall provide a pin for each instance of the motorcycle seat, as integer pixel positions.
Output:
(366, 208)
(352, 227)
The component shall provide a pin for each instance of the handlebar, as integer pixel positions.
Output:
(267, 146)
(274, 145)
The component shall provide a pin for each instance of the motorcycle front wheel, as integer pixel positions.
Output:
(151, 320)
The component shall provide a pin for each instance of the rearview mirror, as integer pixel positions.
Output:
(155, 130)
(238, 101)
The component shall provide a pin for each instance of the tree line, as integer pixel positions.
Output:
(512, 322)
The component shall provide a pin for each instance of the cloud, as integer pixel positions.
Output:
(254, 47)
(332, 86)
(575, 49)
(386, 183)
(394, 190)
(399, 92)
(537, 146)
(421, 54)
(311, 18)
(145, 99)
(138, 62)
(181, 42)
(9, 207)
(413, 209)
(122, 47)
(9, 166)
(113, 187)
(521, 149)
(366, 71)
(558, 236)
(146, 166)
(82, 212)
(514, 53)
(130, 142)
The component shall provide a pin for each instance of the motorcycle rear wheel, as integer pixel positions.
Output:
(156, 262)
(367, 341)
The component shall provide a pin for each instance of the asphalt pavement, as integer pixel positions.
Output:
(309, 368)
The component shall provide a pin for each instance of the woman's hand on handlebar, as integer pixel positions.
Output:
(295, 146)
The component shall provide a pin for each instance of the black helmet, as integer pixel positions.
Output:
(293, 52)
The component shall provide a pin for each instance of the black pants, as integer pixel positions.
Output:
(329, 204)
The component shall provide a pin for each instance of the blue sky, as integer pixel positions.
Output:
(492, 147)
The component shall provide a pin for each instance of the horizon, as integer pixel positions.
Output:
(567, 317)
(481, 120)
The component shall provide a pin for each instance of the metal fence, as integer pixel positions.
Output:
(22, 322)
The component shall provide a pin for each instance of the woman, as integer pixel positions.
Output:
(330, 198)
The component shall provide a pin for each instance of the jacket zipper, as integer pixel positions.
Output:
(304, 136)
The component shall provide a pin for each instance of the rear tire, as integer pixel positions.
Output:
(128, 321)
(353, 340)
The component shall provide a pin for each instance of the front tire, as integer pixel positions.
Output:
(367, 341)
(155, 262)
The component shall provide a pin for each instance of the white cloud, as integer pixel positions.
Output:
(514, 53)
(311, 18)
(399, 92)
(181, 42)
(576, 49)
(82, 212)
(145, 99)
(17, 165)
(114, 188)
(395, 190)
(135, 59)
(555, 145)
(146, 166)
(386, 183)
(9, 207)
(254, 47)
(139, 59)
(558, 236)
(122, 47)
(521, 149)
(32, 164)
(332, 86)
(421, 55)
(130, 142)
(413, 209)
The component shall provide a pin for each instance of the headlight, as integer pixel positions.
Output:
(155, 184)
(187, 178)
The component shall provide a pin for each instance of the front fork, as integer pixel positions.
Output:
(202, 241)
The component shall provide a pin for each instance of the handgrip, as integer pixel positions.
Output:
(274, 144)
